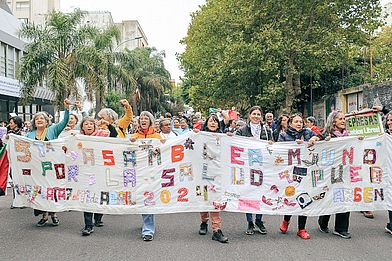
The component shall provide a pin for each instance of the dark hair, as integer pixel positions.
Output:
(205, 125)
(18, 121)
(312, 120)
(254, 108)
(292, 116)
(279, 123)
(385, 120)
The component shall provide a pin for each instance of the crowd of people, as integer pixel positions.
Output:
(255, 125)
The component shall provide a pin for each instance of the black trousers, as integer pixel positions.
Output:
(390, 217)
(342, 221)
(301, 221)
(88, 218)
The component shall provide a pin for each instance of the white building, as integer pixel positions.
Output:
(11, 51)
(99, 19)
(132, 35)
(33, 10)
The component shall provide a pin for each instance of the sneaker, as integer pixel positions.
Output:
(251, 228)
(218, 236)
(42, 222)
(87, 231)
(323, 229)
(388, 229)
(302, 233)
(345, 235)
(55, 221)
(98, 224)
(368, 214)
(203, 228)
(148, 237)
(260, 227)
(284, 226)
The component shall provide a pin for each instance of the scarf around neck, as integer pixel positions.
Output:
(338, 133)
(255, 129)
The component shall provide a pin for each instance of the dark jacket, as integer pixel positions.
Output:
(292, 134)
(265, 134)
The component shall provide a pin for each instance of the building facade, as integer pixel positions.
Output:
(11, 52)
(132, 35)
(33, 10)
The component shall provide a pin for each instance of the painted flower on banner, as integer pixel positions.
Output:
(189, 144)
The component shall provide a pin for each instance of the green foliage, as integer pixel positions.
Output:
(112, 100)
(243, 52)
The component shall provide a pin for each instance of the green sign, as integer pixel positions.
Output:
(364, 123)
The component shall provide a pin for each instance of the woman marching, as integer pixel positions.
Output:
(336, 127)
(146, 131)
(296, 132)
(212, 124)
(256, 129)
(388, 129)
(88, 127)
(41, 131)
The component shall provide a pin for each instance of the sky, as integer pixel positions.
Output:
(165, 22)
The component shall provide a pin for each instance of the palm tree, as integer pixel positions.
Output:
(152, 79)
(50, 56)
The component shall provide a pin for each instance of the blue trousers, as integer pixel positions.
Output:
(249, 217)
(148, 225)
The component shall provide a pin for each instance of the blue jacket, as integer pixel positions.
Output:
(292, 135)
(53, 130)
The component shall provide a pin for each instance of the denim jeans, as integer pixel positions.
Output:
(88, 218)
(249, 217)
(148, 225)
(390, 217)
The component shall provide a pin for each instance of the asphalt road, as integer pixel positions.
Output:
(177, 238)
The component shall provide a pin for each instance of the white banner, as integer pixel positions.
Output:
(202, 172)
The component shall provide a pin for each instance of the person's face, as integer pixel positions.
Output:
(88, 127)
(40, 122)
(72, 121)
(340, 122)
(144, 122)
(105, 117)
(255, 117)
(166, 127)
(233, 124)
(389, 121)
(176, 124)
(297, 123)
(284, 122)
(12, 124)
(27, 124)
(183, 124)
(269, 117)
(194, 121)
(212, 124)
(309, 124)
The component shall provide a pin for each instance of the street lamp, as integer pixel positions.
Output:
(123, 42)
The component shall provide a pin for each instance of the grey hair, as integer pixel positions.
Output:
(149, 115)
(330, 123)
(41, 113)
(109, 112)
(385, 120)
(163, 120)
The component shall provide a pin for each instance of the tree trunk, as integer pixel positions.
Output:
(98, 102)
(293, 83)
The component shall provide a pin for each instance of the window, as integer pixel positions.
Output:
(354, 102)
(10, 73)
(3, 52)
(22, 6)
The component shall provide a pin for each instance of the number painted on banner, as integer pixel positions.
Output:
(183, 192)
(165, 196)
(149, 201)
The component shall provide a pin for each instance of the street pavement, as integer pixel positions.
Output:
(177, 238)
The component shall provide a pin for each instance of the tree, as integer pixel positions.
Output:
(246, 51)
(50, 56)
